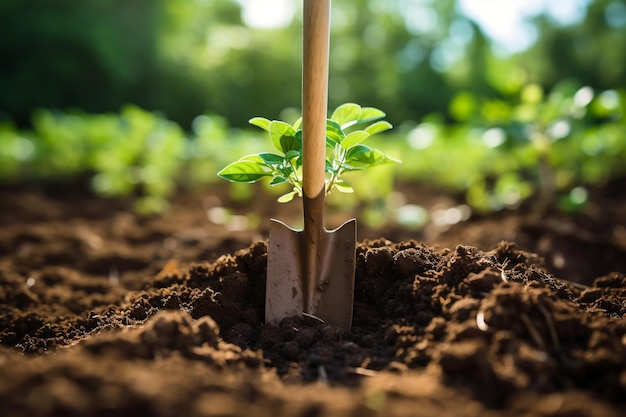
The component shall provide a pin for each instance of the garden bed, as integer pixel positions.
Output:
(103, 312)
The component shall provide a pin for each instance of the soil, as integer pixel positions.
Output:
(106, 313)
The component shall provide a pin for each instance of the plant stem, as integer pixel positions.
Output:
(294, 180)
(334, 176)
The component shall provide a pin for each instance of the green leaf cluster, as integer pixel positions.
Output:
(134, 153)
(346, 130)
(535, 147)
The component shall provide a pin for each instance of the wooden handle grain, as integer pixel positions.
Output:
(316, 45)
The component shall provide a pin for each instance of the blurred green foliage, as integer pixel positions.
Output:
(502, 151)
(500, 129)
(134, 153)
(184, 58)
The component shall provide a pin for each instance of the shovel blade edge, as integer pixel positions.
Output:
(325, 290)
(283, 289)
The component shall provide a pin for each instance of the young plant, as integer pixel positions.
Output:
(346, 130)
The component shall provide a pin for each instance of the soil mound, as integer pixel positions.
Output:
(448, 331)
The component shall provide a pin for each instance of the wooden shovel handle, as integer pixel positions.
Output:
(316, 45)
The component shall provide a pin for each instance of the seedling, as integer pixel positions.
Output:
(311, 271)
(346, 130)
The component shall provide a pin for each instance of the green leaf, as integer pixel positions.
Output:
(256, 158)
(350, 168)
(369, 114)
(261, 122)
(342, 187)
(378, 127)
(283, 136)
(297, 124)
(357, 150)
(354, 138)
(296, 153)
(285, 198)
(243, 171)
(278, 180)
(362, 157)
(292, 154)
(291, 143)
(334, 134)
(347, 114)
(271, 158)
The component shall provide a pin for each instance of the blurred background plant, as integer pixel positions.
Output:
(502, 151)
(498, 102)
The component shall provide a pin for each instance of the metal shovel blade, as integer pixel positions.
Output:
(322, 286)
(311, 271)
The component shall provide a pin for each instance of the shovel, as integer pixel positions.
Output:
(310, 272)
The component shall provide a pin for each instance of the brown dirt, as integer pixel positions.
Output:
(104, 313)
